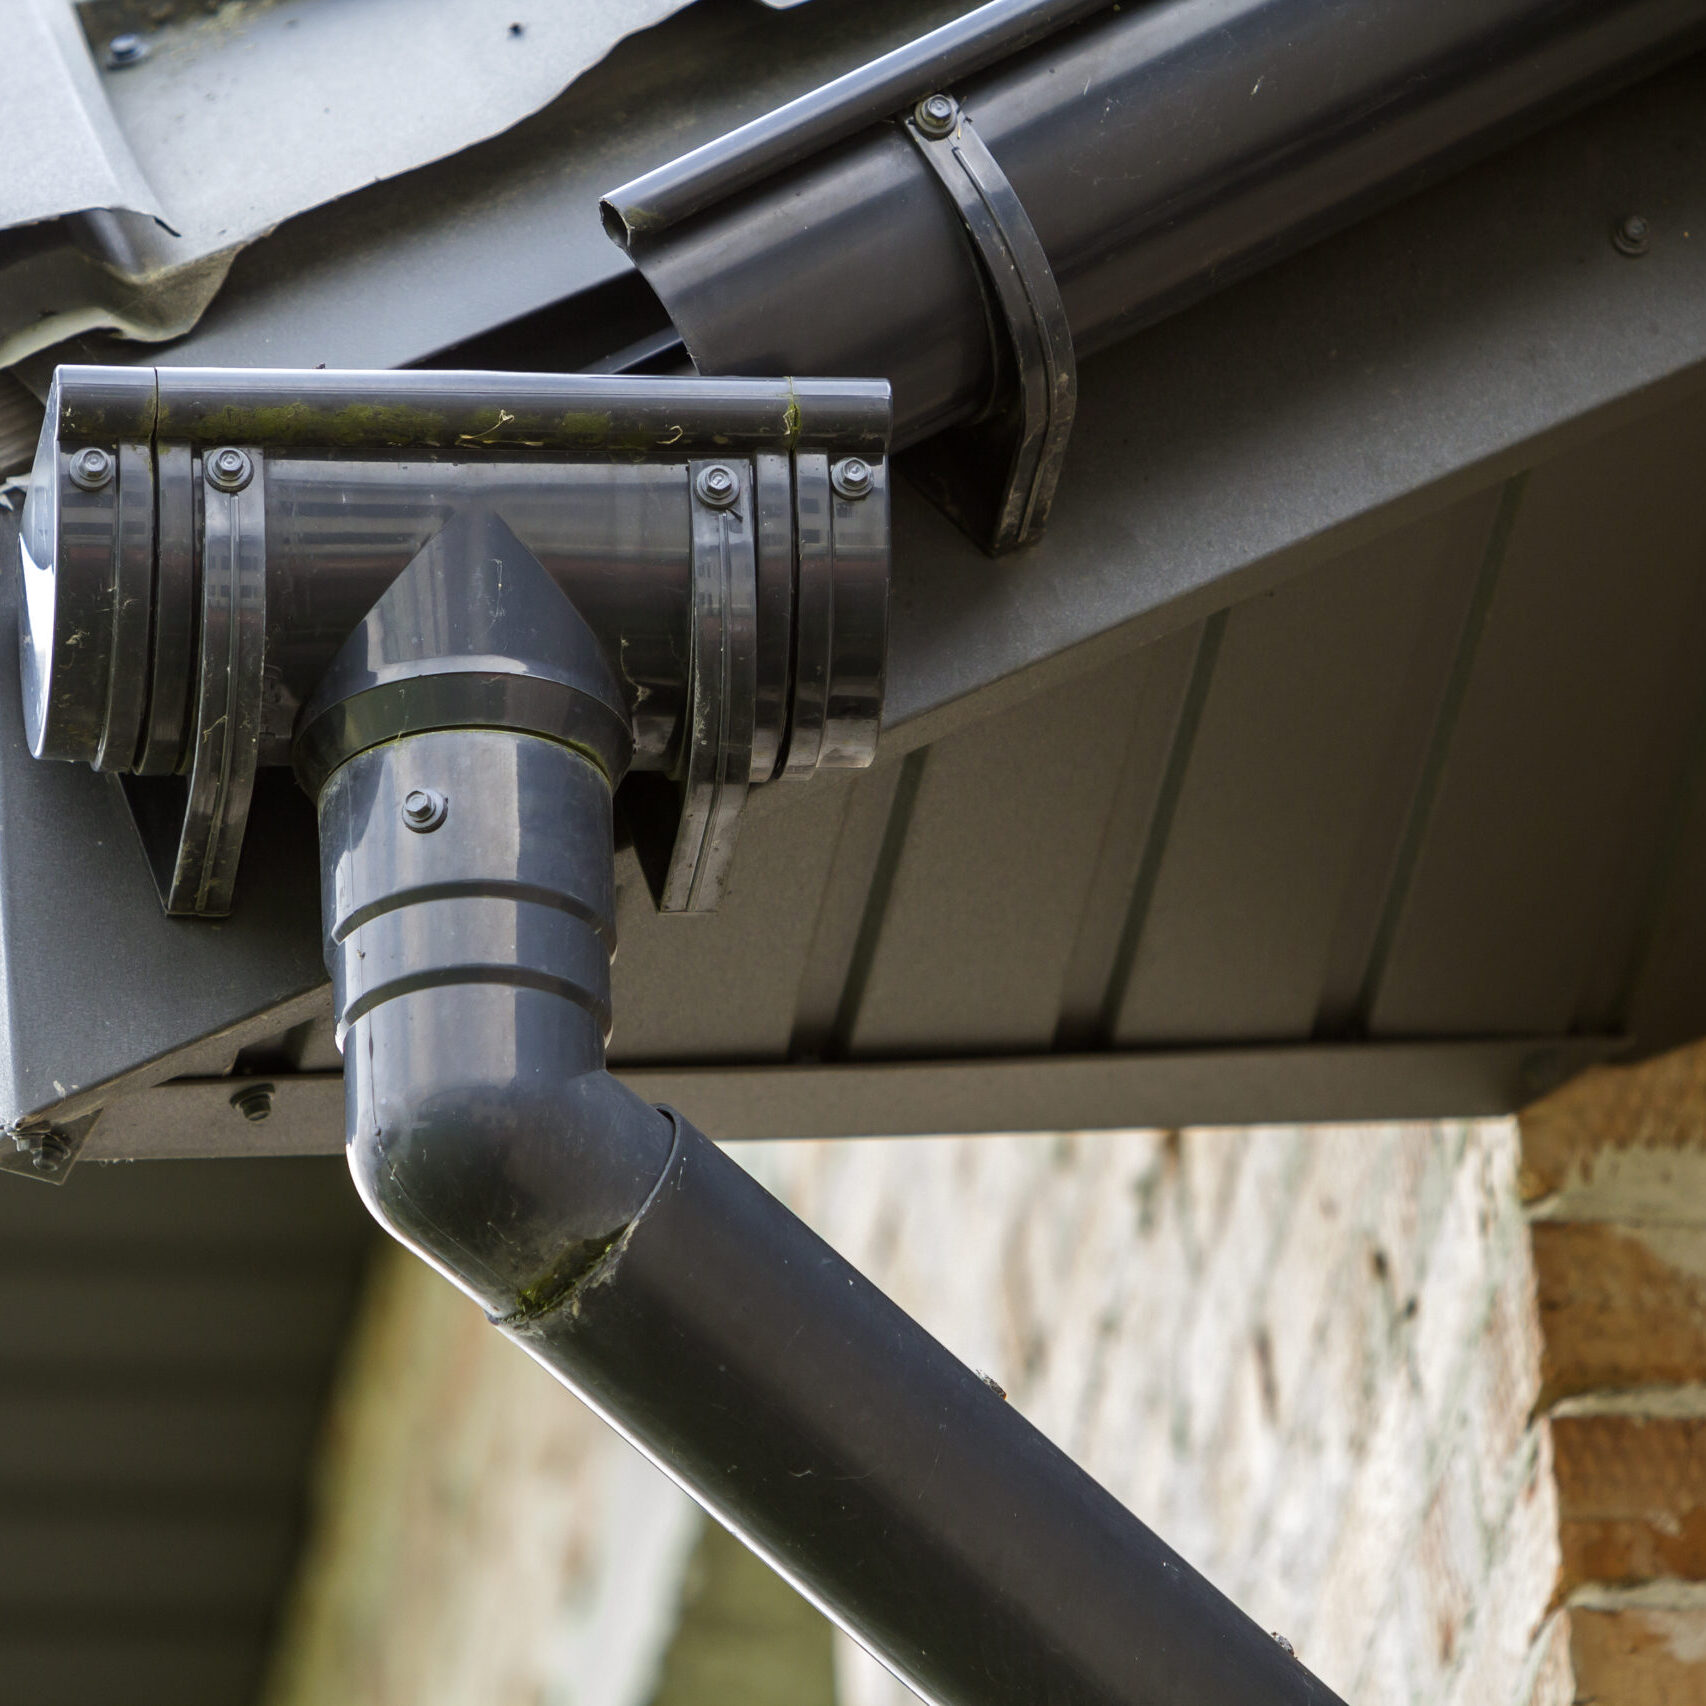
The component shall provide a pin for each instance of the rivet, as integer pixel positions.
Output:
(852, 477)
(717, 486)
(1631, 236)
(91, 468)
(935, 114)
(127, 49)
(230, 469)
(254, 1102)
(424, 809)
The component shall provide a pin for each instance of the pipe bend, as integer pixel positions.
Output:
(510, 1169)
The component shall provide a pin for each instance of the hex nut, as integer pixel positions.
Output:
(49, 1152)
(92, 468)
(230, 469)
(852, 477)
(717, 485)
(1632, 236)
(424, 809)
(936, 114)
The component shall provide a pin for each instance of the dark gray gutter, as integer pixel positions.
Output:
(1160, 150)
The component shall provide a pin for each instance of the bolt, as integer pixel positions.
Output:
(717, 486)
(230, 469)
(91, 468)
(49, 1152)
(935, 114)
(1632, 236)
(254, 1102)
(424, 809)
(852, 477)
(126, 50)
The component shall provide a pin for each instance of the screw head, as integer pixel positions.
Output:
(49, 1152)
(852, 477)
(717, 486)
(253, 1102)
(424, 809)
(936, 114)
(230, 469)
(1632, 236)
(127, 49)
(92, 468)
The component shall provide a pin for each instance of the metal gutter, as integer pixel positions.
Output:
(1160, 152)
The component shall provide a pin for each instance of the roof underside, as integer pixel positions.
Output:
(166, 1338)
(1336, 753)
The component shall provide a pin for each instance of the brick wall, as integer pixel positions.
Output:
(1614, 1175)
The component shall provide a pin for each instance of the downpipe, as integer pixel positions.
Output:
(467, 874)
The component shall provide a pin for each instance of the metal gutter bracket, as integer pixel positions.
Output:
(996, 474)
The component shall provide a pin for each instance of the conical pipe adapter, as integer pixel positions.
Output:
(472, 634)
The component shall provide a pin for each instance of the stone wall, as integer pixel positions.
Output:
(1308, 1357)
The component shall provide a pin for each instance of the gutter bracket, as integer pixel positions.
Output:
(1022, 435)
(192, 825)
(716, 760)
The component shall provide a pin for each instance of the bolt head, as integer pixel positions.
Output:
(92, 468)
(717, 486)
(1632, 236)
(852, 477)
(424, 809)
(254, 1102)
(126, 49)
(935, 114)
(230, 469)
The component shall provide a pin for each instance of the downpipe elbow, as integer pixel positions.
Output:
(513, 1181)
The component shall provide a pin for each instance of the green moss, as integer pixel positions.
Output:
(585, 426)
(299, 422)
(553, 1288)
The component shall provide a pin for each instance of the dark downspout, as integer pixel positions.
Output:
(463, 749)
